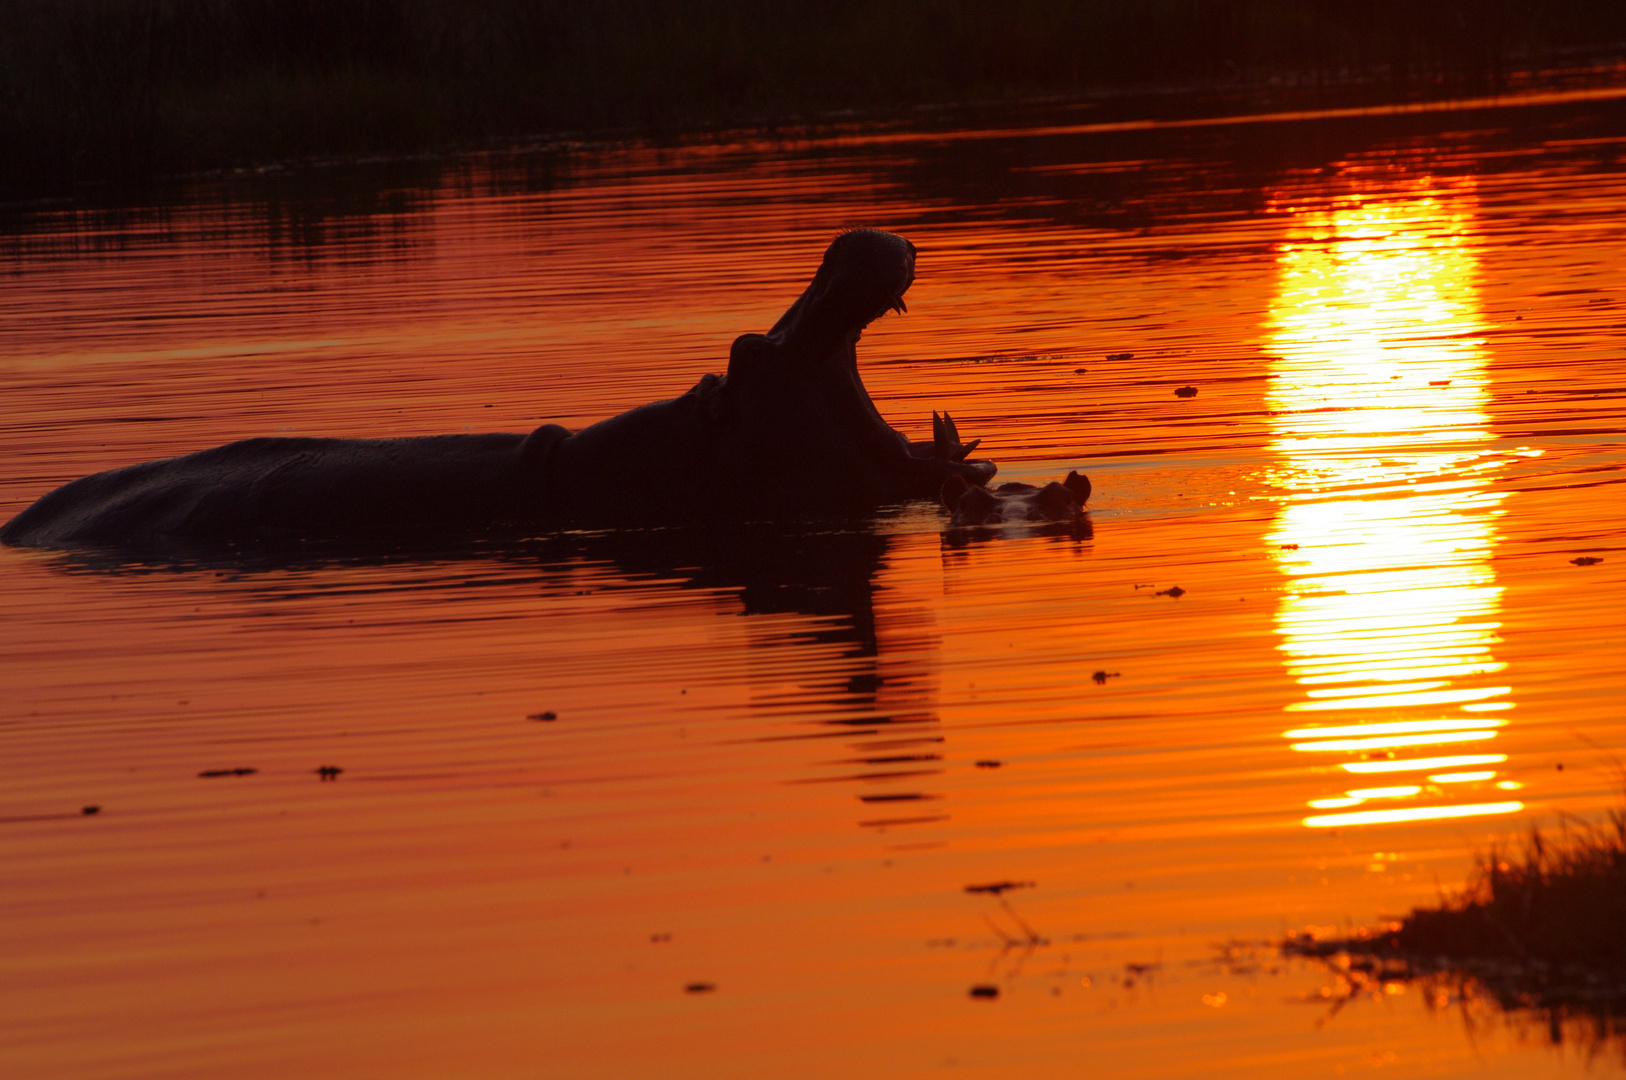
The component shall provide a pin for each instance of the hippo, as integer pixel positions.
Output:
(969, 504)
(789, 430)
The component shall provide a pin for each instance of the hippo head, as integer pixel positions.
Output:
(864, 275)
(811, 352)
(970, 505)
(794, 395)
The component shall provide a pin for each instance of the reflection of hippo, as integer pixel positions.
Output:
(790, 430)
(970, 505)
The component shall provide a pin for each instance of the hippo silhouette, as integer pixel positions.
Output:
(789, 431)
(971, 505)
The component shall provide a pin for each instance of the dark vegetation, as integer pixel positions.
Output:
(122, 90)
(1543, 929)
(1556, 903)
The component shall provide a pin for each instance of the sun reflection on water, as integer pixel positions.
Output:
(1390, 615)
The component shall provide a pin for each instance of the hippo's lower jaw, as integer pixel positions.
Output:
(969, 505)
(789, 430)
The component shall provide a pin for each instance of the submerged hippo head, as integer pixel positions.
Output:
(971, 505)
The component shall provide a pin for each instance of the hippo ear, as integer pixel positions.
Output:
(1079, 485)
(538, 446)
(1056, 502)
(953, 488)
(749, 354)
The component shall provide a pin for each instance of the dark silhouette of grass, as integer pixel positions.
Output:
(99, 90)
(1560, 902)
(1543, 928)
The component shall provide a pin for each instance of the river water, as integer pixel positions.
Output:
(1321, 643)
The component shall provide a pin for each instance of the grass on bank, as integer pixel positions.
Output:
(1560, 902)
(1546, 923)
(120, 90)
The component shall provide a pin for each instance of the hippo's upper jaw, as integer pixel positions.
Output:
(794, 395)
(864, 275)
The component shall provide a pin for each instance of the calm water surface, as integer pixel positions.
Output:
(1341, 640)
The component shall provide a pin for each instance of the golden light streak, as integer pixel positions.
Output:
(1361, 692)
(1351, 642)
(1378, 661)
(1331, 804)
(1414, 813)
(1460, 777)
(1389, 701)
(1422, 764)
(1398, 728)
(1391, 741)
(1386, 524)
(1374, 672)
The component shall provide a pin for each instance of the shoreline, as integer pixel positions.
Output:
(128, 95)
(1142, 109)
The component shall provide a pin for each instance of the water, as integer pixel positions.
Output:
(1343, 645)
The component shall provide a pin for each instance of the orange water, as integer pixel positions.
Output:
(764, 772)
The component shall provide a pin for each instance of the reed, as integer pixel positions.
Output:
(97, 90)
(1559, 903)
(1538, 938)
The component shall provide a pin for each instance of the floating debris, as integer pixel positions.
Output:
(699, 988)
(984, 990)
(1101, 677)
(328, 772)
(659, 939)
(1290, 547)
(1587, 560)
(995, 888)
(1185, 391)
(228, 772)
(1172, 590)
(545, 716)
(1120, 356)
(87, 811)
(989, 764)
(1030, 937)
(884, 823)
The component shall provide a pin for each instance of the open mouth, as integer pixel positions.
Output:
(896, 304)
